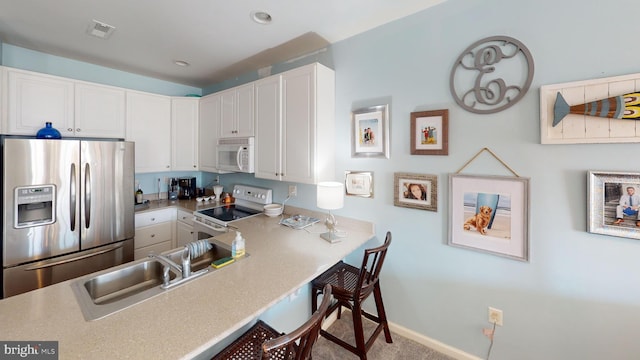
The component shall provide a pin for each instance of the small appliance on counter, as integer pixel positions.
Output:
(187, 188)
(173, 189)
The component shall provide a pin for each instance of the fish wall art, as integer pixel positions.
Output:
(625, 106)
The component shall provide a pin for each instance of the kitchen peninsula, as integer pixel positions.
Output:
(188, 320)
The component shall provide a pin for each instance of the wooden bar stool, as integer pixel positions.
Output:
(350, 287)
(261, 341)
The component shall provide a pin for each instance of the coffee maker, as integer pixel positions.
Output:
(187, 188)
(173, 189)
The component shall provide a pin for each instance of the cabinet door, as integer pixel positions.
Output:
(267, 148)
(99, 111)
(149, 126)
(245, 118)
(184, 131)
(208, 127)
(184, 234)
(35, 99)
(228, 114)
(298, 125)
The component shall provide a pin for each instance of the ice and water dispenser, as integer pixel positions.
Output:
(34, 205)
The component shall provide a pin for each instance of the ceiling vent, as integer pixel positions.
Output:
(100, 29)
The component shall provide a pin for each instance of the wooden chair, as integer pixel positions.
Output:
(350, 287)
(261, 341)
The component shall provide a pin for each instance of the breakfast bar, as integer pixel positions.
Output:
(188, 320)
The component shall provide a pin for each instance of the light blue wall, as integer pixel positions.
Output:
(579, 292)
(21, 58)
(578, 296)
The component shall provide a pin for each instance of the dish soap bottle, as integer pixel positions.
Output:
(237, 246)
(139, 195)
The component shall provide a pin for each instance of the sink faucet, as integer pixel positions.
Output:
(184, 269)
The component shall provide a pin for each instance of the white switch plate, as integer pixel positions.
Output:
(293, 190)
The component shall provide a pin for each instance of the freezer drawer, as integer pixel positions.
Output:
(24, 278)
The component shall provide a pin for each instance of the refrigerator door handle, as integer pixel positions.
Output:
(87, 196)
(65, 261)
(72, 197)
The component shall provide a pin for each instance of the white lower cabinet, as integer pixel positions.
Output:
(184, 228)
(154, 232)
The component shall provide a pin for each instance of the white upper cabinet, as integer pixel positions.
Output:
(184, 133)
(149, 126)
(99, 111)
(268, 130)
(74, 108)
(208, 127)
(35, 99)
(295, 116)
(237, 117)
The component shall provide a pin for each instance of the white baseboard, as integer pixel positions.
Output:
(417, 337)
(432, 343)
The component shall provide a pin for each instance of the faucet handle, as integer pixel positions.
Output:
(186, 262)
(165, 275)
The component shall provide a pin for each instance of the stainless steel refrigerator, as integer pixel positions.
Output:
(68, 210)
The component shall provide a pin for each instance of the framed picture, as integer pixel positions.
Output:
(359, 183)
(490, 214)
(370, 132)
(416, 191)
(430, 132)
(613, 202)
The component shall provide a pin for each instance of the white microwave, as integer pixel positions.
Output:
(236, 154)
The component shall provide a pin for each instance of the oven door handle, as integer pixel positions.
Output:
(218, 228)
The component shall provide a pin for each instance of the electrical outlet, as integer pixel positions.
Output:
(495, 316)
(293, 190)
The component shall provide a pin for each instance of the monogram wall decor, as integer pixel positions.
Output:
(491, 75)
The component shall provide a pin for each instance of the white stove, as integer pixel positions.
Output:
(249, 201)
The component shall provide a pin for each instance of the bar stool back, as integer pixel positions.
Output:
(261, 341)
(350, 287)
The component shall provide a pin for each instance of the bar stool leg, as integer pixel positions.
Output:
(382, 315)
(356, 313)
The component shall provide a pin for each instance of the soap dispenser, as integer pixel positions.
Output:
(237, 246)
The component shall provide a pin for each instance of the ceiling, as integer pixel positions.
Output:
(217, 38)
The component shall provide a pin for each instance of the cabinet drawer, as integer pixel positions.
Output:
(185, 217)
(155, 217)
(153, 234)
(152, 249)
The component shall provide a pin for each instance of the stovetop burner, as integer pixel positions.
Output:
(249, 202)
(228, 213)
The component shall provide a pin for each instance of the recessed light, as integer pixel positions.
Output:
(181, 63)
(261, 17)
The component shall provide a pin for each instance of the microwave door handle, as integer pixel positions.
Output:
(238, 156)
(87, 196)
(72, 197)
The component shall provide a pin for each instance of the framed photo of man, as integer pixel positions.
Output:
(614, 203)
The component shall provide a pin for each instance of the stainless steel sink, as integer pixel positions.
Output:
(108, 291)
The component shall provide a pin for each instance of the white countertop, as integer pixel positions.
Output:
(187, 320)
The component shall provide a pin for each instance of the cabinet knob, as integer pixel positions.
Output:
(153, 235)
(153, 219)
(78, 130)
(168, 166)
(69, 129)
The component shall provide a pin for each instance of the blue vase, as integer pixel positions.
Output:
(48, 132)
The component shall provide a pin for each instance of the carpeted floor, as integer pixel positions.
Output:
(400, 349)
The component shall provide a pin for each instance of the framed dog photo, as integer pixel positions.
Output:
(490, 214)
(430, 132)
(614, 204)
(416, 191)
(370, 132)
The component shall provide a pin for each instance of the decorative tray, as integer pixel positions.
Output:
(299, 221)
